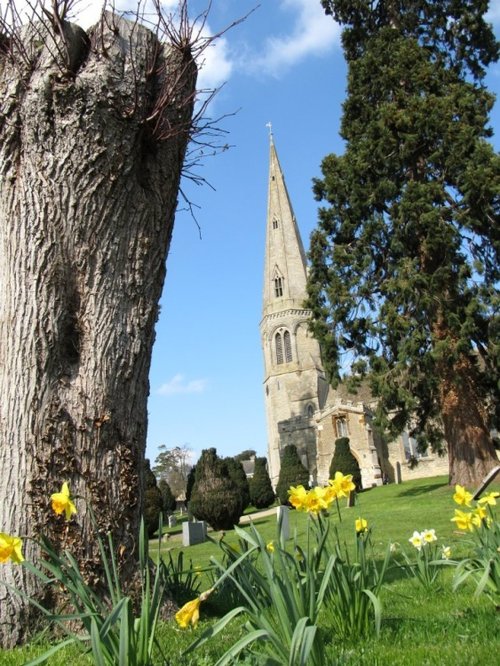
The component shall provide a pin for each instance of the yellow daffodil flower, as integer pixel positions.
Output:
(462, 496)
(428, 536)
(315, 501)
(61, 502)
(478, 515)
(10, 549)
(416, 540)
(297, 497)
(490, 498)
(463, 520)
(270, 547)
(446, 552)
(361, 525)
(330, 494)
(190, 612)
(342, 484)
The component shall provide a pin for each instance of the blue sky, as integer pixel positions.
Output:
(283, 64)
(286, 67)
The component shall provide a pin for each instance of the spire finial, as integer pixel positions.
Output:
(270, 126)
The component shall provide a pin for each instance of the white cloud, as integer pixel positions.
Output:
(312, 33)
(215, 65)
(179, 384)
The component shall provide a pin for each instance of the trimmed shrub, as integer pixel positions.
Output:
(215, 497)
(292, 473)
(344, 461)
(152, 500)
(167, 497)
(237, 473)
(261, 489)
(190, 483)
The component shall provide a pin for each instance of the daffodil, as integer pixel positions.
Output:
(190, 612)
(428, 536)
(61, 502)
(297, 497)
(361, 525)
(416, 540)
(446, 552)
(270, 547)
(10, 549)
(478, 515)
(342, 484)
(462, 496)
(490, 498)
(463, 520)
(330, 494)
(315, 500)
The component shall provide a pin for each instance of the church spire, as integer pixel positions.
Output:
(285, 270)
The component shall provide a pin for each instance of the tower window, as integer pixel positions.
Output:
(310, 411)
(278, 287)
(279, 348)
(275, 223)
(288, 347)
(341, 426)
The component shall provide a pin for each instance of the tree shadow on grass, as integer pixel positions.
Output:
(421, 490)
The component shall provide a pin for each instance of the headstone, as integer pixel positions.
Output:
(283, 522)
(193, 533)
(398, 472)
(172, 521)
(486, 482)
(351, 500)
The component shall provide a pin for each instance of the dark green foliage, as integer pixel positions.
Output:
(292, 473)
(344, 461)
(167, 497)
(152, 500)
(247, 454)
(405, 260)
(190, 482)
(237, 474)
(261, 489)
(215, 497)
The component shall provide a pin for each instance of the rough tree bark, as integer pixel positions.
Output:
(93, 135)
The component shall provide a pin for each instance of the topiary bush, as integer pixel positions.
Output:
(237, 473)
(261, 490)
(152, 500)
(215, 497)
(168, 501)
(344, 461)
(292, 473)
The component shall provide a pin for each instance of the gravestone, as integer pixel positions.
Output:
(172, 521)
(486, 482)
(193, 533)
(283, 522)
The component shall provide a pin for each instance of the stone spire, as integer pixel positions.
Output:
(294, 383)
(285, 270)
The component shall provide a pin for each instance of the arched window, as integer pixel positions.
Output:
(310, 411)
(278, 287)
(275, 223)
(279, 348)
(288, 347)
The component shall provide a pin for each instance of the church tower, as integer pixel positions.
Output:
(294, 383)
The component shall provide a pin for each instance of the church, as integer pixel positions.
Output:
(301, 407)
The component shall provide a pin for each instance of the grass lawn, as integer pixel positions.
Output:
(418, 628)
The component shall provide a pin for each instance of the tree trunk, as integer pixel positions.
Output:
(87, 202)
(470, 447)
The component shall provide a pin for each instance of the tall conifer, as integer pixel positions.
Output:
(405, 259)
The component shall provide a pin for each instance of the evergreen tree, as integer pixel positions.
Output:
(405, 259)
(152, 500)
(237, 474)
(261, 489)
(215, 497)
(344, 461)
(190, 483)
(292, 473)
(167, 497)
